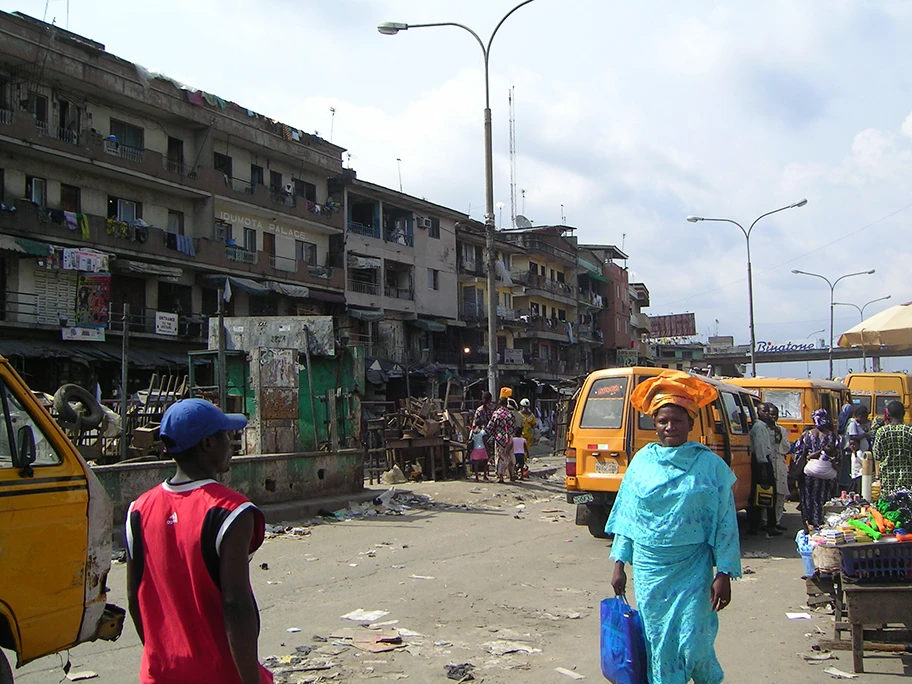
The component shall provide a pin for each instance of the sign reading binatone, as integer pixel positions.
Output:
(770, 347)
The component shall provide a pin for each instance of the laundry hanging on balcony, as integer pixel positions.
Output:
(355, 261)
(503, 272)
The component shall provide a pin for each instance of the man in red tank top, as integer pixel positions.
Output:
(189, 542)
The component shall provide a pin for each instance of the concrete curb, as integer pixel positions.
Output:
(294, 511)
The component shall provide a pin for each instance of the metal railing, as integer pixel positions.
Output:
(361, 229)
(242, 186)
(474, 311)
(325, 272)
(542, 246)
(241, 255)
(279, 196)
(364, 287)
(471, 267)
(6, 117)
(591, 298)
(281, 263)
(123, 151)
(540, 282)
(398, 237)
(178, 167)
(49, 130)
(399, 292)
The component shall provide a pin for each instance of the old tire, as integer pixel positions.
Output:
(74, 394)
(6, 672)
(596, 519)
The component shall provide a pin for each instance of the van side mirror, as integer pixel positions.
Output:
(26, 449)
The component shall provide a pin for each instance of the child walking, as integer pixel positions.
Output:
(479, 457)
(520, 449)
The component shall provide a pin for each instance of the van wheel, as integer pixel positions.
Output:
(598, 516)
(6, 672)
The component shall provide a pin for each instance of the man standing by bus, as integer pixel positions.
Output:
(769, 444)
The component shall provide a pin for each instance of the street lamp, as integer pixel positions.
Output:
(391, 28)
(750, 281)
(807, 364)
(860, 309)
(832, 288)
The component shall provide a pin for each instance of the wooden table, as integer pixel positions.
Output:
(877, 604)
(436, 452)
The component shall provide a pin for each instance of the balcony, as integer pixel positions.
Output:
(552, 366)
(116, 149)
(593, 299)
(178, 167)
(406, 293)
(361, 229)
(50, 130)
(324, 272)
(537, 245)
(286, 264)
(543, 284)
(282, 198)
(363, 287)
(471, 267)
(240, 255)
(399, 237)
(241, 186)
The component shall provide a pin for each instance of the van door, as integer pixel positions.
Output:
(43, 529)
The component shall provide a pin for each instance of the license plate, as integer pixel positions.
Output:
(583, 498)
(606, 467)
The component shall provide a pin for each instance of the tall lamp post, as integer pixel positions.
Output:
(832, 285)
(860, 309)
(391, 28)
(750, 281)
(807, 364)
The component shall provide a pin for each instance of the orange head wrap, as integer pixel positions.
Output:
(672, 387)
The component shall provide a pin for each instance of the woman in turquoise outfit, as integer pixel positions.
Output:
(675, 522)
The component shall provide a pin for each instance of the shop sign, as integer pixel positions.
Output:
(246, 221)
(626, 358)
(74, 334)
(770, 347)
(166, 323)
(514, 356)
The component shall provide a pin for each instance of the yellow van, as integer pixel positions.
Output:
(797, 399)
(55, 535)
(605, 432)
(876, 390)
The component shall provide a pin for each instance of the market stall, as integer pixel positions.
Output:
(860, 561)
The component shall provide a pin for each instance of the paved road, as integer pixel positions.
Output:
(474, 570)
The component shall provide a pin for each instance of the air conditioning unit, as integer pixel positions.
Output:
(424, 223)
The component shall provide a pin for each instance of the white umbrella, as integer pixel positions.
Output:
(890, 328)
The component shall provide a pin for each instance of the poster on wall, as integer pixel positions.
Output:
(93, 300)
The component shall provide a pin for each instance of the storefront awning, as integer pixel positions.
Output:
(85, 352)
(598, 276)
(260, 288)
(356, 261)
(128, 266)
(430, 326)
(24, 245)
(366, 314)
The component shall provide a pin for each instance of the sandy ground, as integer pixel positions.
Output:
(480, 570)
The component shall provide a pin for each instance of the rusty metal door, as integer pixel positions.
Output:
(274, 378)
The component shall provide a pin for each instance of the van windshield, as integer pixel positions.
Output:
(787, 401)
(605, 404)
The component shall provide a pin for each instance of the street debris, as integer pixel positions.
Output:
(421, 577)
(755, 554)
(80, 676)
(817, 657)
(370, 640)
(281, 530)
(839, 674)
(501, 647)
(361, 615)
(569, 673)
(798, 616)
(292, 630)
(460, 673)
(393, 476)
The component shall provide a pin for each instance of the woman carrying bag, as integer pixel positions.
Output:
(674, 520)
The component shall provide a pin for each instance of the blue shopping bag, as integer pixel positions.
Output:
(623, 643)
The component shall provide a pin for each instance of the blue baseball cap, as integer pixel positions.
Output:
(189, 421)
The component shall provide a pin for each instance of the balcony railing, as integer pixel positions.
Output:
(281, 263)
(361, 229)
(320, 271)
(50, 130)
(471, 267)
(279, 196)
(178, 167)
(363, 287)
(242, 186)
(399, 237)
(542, 246)
(241, 255)
(592, 298)
(549, 366)
(540, 282)
(123, 151)
(399, 292)
(6, 117)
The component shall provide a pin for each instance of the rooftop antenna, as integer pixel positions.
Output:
(332, 120)
(523, 222)
(512, 156)
(563, 216)
(399, 164)
(523, 191)
(500, 206)
(623, 240)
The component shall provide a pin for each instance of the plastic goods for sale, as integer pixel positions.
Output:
(886, 562)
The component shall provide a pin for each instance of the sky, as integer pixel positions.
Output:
(628, 116)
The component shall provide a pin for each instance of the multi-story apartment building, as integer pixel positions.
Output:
(614, 317)
(123, 187)
(401, 285)
(639, 322)
(473, 303)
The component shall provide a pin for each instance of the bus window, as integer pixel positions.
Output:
(862, 401)
(787, 401)
(605, 404)
(881, 403)
(735, 412)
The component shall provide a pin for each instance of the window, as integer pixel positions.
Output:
(175, 155)
(256, 175)
(618, 321)
(69, 198)
(605, 404)
(224, 231)
(306, 190)
(15, 421)
(306, 252)
(175, 222)
(123, 209)
(127, 134)
(434, 230)
(275, 181)
(737, 419)
(38, 105)
(560, 276)
(250, 240)
(222, 162)
(561, 315)
(36, 190)
(433, 279)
